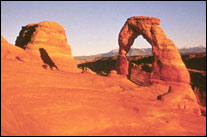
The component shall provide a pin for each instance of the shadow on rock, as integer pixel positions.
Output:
(46, 58)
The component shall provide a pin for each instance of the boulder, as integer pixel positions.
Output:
(87, 71)
(112, 73)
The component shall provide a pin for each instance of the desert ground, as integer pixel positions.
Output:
(35, 101)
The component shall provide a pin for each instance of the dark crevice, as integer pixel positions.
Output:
(160, 96)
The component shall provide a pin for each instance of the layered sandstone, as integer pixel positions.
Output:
(168, 65)
(48, 41)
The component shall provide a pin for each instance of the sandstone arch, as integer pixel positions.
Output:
(168, 65)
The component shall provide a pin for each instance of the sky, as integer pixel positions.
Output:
(92, 27)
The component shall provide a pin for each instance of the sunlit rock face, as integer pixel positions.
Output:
(47, 40)
(168, 65)
(11, 52)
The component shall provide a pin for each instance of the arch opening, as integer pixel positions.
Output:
(140, 65)
(140, 47)
(167, 64)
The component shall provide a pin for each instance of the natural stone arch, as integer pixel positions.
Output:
(168, 65)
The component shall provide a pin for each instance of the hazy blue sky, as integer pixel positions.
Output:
(93, 27)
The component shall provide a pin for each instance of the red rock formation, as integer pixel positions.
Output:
(112, 73)
(12, 52)
(180, 95)
(139, 76)
(47, 40)
(168, 65)
(87, 71)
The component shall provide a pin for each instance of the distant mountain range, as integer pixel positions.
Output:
(142, 51)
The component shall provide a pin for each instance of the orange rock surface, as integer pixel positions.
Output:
(48, 40)
(35, 101)
(168, 65)
(12, 52)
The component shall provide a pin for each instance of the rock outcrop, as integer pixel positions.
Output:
(11, 52)
(139, 76)
(168, 65)
(47, 40)
(113, 73)
(87, 71)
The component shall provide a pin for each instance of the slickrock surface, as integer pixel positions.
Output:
(48, 40)
(139, 76)
(39, 102)
(12, 52)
